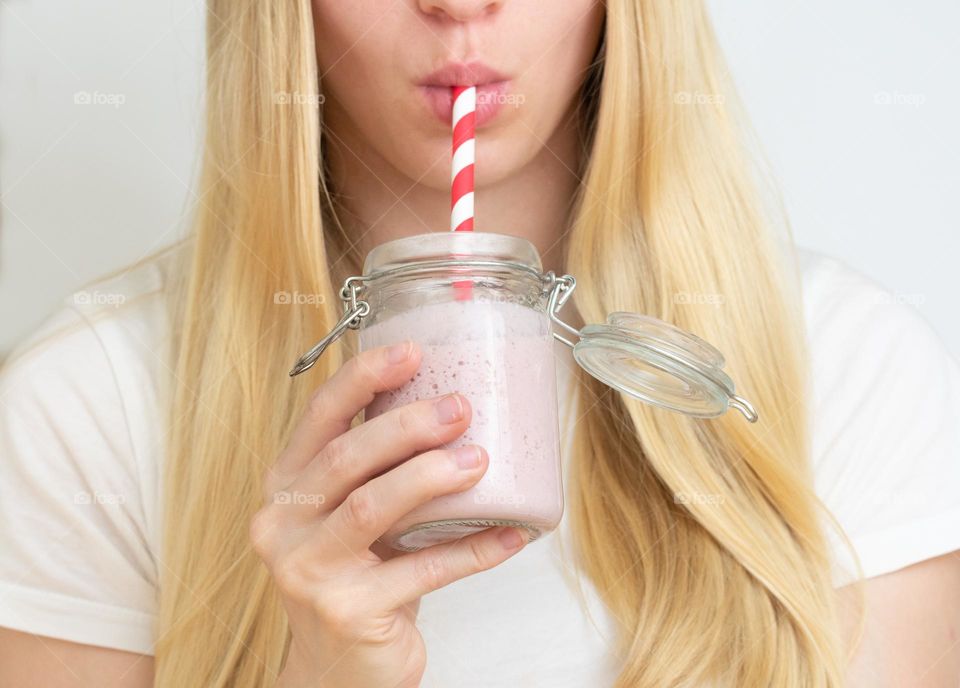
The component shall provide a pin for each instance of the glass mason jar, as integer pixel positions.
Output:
(483, 314)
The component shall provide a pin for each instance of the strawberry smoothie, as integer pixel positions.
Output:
(500, 356)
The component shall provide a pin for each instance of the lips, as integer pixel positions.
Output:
(463, 74)
(492, 87)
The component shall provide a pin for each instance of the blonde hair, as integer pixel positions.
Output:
(731, 586)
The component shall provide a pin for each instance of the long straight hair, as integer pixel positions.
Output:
(703, 537)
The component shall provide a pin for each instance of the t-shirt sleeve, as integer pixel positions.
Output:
(886, 423)
(74, 557)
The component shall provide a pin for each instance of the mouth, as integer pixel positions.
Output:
(492, 89)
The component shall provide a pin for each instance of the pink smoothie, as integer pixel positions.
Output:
(500, 356)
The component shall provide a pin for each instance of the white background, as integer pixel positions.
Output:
(856, 103)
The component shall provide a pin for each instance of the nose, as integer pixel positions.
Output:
(459, 10)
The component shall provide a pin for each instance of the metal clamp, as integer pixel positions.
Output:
(561, 289)
(354, 310)
(744, 407)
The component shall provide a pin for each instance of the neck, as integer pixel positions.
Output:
(375, 202)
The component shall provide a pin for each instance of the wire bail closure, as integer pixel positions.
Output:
(561, 289)
(354, 310)
(558, 291)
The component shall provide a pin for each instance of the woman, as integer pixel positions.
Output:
(693, 552)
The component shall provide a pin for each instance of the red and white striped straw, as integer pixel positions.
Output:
(461, 175)
(464, 156)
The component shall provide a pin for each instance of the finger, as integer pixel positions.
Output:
(337, 401)
(407, 578)
(356, 456)
(372, 509)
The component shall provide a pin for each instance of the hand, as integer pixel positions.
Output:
(352, 602)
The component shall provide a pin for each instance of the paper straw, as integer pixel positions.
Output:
(461, 174)
(464, 155)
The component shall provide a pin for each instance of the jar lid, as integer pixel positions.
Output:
(660, 364)
(438, 246)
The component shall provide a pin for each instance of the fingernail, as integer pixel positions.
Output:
(511, 538)
(467, 457)
(449, 409)
(398, 353)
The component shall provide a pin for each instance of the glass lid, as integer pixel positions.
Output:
(652, 360)
(660, 364)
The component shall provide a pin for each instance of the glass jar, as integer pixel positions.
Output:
(483, 314)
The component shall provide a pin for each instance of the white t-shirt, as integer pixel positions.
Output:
(82, 443)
